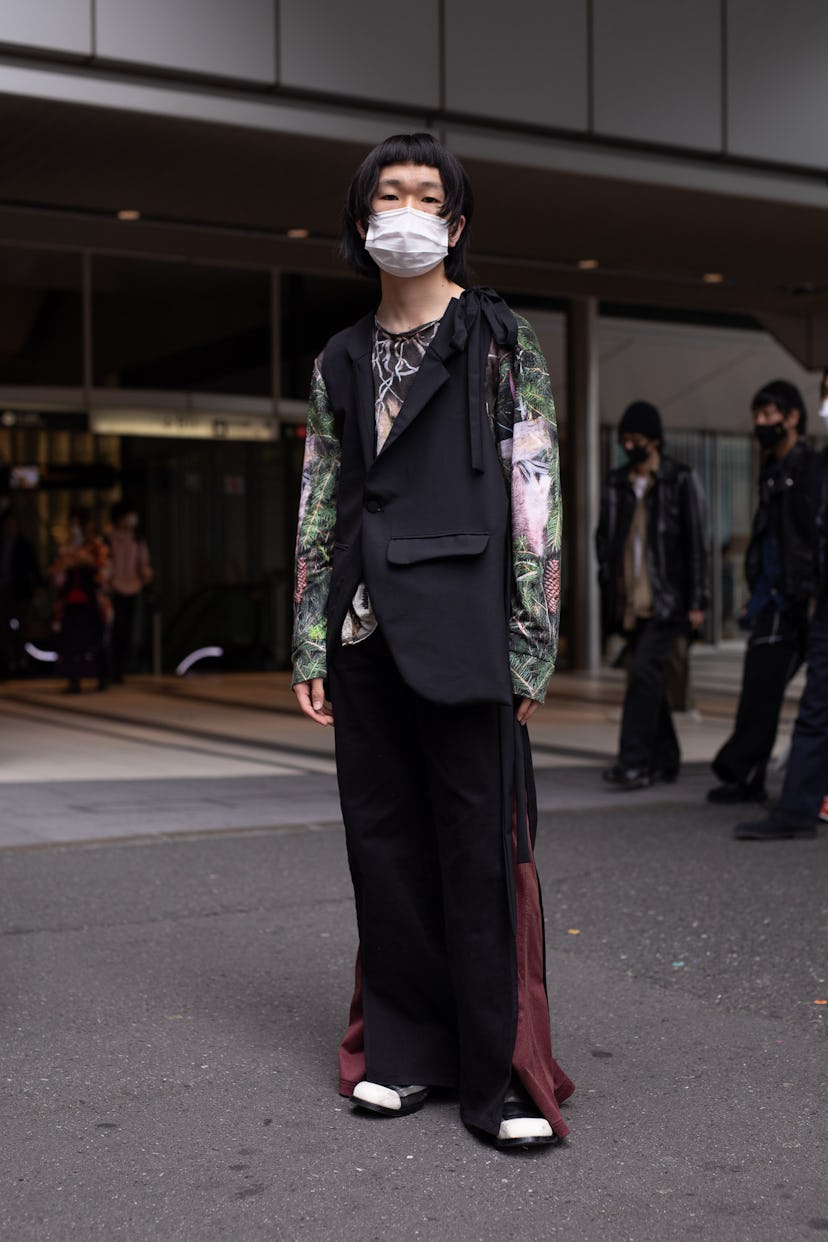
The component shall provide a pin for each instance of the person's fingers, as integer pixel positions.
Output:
(526, 709)
(317, 694)
(308, 695)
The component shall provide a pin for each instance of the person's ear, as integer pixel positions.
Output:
(361, 229)
(454, 234)
(793, 420)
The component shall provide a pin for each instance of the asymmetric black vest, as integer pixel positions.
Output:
(426, 522)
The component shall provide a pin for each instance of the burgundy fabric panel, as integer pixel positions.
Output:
(533, 1061)
(352, 1048)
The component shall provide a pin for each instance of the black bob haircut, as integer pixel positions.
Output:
(786, 397)
(407, 149)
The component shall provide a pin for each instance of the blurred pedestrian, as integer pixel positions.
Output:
(19, 579)
(427, 605)
(652, 565)
(780, 575)
(130, 573)
(82, 609)
(806, 777)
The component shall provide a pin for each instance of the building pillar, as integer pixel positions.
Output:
(582, 472)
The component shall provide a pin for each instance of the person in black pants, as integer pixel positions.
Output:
(652, 563)
(426, 618)
(780, 574)
(806, 778)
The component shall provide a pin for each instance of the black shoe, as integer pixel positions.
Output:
(731, 792)
(628, 778)
(523, 1124)
(74, 687)
(667, 775)
(390, 1101)
(772, 829)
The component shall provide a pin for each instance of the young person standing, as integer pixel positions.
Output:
(426, 621)
(651, 546)
(779, 568)
(804, 794)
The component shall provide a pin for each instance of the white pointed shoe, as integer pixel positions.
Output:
(390, 1101)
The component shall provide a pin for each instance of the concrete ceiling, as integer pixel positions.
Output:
(219, 192)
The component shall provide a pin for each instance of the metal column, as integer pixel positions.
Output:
(582, 473)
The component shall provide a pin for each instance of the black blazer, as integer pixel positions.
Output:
(426, 523)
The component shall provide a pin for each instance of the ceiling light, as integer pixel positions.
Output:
(713, 278)
(128, 213)
(588, 265)
(296, 233)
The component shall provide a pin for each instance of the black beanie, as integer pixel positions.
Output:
(643, 418)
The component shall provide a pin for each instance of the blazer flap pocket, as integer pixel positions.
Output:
(410, 550)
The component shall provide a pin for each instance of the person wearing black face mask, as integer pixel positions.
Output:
(652, 563)
(803, 800)
(780, 576)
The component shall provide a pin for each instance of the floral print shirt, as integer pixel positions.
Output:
(522, 414)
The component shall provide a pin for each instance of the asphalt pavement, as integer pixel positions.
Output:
(176, 957)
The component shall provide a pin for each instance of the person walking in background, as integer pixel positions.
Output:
(779, 569)
(806, 777)
(427, 596)
(652, 568)
(131, 572)
(82, 608)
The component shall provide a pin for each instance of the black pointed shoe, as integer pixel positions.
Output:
(628, 778)
(389, 1101)
(731, 792)
(523, 1125)
(773, 828)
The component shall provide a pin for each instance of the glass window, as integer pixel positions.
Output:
(41, 318)
(180, 327)
(313, 309)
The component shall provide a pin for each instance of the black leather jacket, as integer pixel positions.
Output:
(822, 525)
(676, 543)
(788, 496)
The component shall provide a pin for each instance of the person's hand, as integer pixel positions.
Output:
(696, 618)
(311, 698)
(526, 709)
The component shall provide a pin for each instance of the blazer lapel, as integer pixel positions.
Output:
(430, 378)
(431, 375)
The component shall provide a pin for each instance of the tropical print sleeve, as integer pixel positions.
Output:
(315, 534)
(527, 436)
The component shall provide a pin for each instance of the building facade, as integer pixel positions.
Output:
(651, 191)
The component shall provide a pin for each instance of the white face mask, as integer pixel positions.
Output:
(407, 242)
(823, 410)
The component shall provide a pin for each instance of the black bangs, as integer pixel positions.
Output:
(417, 148)
(785, 396)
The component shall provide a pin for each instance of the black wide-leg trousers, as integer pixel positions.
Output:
(775, 651)
(422, 796)
(648, 740)
(806, 778)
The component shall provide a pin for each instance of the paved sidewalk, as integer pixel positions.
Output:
(214, 752)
